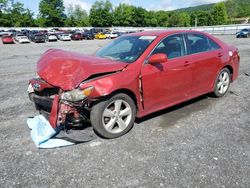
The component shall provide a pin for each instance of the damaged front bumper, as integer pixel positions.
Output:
(48, 101)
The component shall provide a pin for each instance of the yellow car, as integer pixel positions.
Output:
(100, 36)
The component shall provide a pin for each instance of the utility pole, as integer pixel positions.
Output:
(196, 21)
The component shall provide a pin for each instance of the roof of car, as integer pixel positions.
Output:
(161, 32)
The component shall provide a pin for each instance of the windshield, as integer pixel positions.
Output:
(127, 49)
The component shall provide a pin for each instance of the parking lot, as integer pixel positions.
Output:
(201, 143)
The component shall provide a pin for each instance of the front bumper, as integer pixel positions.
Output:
(47, 107)
(47, 101)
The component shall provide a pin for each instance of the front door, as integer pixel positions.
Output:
(167, 83)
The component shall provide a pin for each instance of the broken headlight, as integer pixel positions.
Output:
(77, 94)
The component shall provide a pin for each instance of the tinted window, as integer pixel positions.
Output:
(198, 43)
(172, 46)
(213, 45)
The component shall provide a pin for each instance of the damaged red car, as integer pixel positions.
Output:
(133, 76)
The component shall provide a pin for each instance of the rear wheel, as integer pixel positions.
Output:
(114, 116)
(222, 83)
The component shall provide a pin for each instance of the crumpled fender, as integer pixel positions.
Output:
(127, 79)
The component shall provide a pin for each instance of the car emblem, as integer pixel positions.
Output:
(36, 86)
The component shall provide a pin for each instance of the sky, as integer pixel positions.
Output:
(147, 4)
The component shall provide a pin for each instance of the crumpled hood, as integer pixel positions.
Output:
(67, 69)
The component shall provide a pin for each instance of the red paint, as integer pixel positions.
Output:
(67, 69)
(163, 84)
(54, 112)
(7, 39)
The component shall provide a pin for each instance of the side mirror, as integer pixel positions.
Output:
(158, 58)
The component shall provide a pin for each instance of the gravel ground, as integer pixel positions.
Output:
(202, 143)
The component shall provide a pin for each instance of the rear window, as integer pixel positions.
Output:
(199, 43)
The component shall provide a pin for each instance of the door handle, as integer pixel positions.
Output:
(220, 54)
(186, 63)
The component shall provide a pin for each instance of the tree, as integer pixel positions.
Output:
(179, 19)
(138, 17)
(14, 14)
(51, 13)
(203, 18)
(162, 18)
(101, 14)
(219, 14)
(231, 7)
(150, 19)
(123, 15)
(77, 17)
(184, 19)
(21, 17)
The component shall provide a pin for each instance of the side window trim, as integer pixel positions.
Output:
(184, 43)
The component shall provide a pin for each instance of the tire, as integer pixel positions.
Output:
(107, 119)
(222, 83)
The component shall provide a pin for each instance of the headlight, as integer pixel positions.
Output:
(77, 94)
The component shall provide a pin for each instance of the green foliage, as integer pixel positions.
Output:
(101, 14)
(232, 8)
(203, 18)
(51, 13)
(14, 14)
(123, 15)
(219, 14)
(179, 20)
(77, 17)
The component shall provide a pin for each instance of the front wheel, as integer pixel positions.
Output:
(222, 83)
(114, 116)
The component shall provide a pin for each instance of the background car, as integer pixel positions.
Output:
(88, 35)
(100, 36)
(51, 38)
(18, 35)
(23, 39)
(39, 37)
(65, 37)
(244, 33)
(111, 35)
(7, 39)
(76, 36)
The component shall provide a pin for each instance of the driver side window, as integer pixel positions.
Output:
(173, 46)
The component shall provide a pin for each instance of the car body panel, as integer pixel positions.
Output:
(72, 68)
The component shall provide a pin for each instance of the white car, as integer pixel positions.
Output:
(17, 36)
(23, 39)
(111, 35)
(65, 37)
(51, 38)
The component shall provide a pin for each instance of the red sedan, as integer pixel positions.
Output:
(133, 76)
(7, 39)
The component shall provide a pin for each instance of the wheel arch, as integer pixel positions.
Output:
(230, 68)
(127, 92)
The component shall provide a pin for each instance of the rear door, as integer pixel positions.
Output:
(167, 83)
(205, 56)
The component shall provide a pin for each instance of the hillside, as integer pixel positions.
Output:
(242, 6)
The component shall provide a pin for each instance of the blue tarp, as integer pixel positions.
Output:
(42, 133)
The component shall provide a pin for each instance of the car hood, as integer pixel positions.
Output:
(67, 70)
